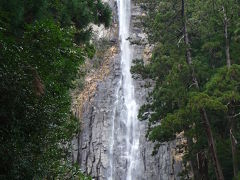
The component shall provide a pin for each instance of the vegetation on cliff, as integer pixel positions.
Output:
(196, 66)
(42, 44)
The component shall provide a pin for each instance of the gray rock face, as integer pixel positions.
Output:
(93, 142)
(91, 148)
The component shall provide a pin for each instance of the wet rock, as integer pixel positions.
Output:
(91, 147)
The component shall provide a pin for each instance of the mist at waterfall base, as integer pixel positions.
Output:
(125, 133)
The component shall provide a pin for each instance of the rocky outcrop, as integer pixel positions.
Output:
(94, 106)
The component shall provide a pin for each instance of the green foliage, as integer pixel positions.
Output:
(175, 102)
(225, 84)
(39, 61)
(238, 176)
(79, 13)
(139, 68)
(202, 100)
(35, 77)
(170, 125)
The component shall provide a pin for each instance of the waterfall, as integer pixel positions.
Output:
(124, 146)
(112, 144)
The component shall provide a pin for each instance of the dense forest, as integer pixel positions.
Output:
(196, 66)
(42, 45)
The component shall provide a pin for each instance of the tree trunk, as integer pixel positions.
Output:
(202, 111)
(232, 124)
(202, 166)
(211, 144)
(225, 22)
(233, 142)
(234, 153)
(188, 50)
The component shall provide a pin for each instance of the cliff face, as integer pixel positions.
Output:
(95, 106)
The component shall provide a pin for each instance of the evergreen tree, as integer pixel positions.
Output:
(42, 45)
(195, 56)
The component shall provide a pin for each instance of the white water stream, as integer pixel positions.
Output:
(126, 105)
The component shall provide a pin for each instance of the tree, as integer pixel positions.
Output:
(190, 52)
(202, 110)
(42, 45)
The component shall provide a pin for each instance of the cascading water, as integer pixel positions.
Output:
(124, 146)
(110, 145)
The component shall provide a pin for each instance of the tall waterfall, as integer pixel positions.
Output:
(124, 146)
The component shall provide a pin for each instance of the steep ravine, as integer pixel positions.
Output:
(96, 108)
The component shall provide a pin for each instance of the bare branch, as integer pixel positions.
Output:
(234, 116)
(179, 41)
(235, 140)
